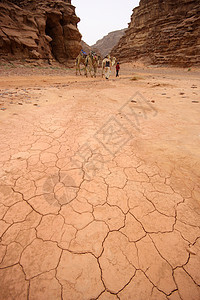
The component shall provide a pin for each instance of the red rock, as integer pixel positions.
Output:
(45, 30)
(162, 32)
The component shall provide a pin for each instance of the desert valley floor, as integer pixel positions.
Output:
(99, 184)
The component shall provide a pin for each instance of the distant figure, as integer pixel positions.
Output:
(117, 69)
(107, 62)
(92, 53)
(83, 53)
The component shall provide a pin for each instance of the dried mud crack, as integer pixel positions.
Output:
(99, 190)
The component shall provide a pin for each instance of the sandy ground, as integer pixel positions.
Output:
(99, 184)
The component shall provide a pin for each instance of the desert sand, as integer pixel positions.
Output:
(99, 184)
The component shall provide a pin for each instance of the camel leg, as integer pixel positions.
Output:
(86, 71)
(95, 72)
(92, 69)
(79, 68)
(91, 72)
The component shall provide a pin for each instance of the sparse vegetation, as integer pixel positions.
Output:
(136, 78)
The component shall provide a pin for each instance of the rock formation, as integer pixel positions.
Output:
(106, 44)
(163, 32)
(39, 30)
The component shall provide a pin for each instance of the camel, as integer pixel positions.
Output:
(113, 61)
(92, 63)
(81, 59)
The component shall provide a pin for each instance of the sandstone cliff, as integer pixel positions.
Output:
(163, 32)
(106, 44)
(39, 30)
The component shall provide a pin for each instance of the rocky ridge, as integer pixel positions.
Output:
(162, 32)
(106, 44)
(39, 30)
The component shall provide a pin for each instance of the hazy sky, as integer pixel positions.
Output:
(98, 18)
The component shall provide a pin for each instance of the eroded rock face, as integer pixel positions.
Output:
(106, 44)
(39, 30)
(163, 32)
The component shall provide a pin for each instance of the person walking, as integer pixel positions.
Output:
(107, 66)
(117, 69)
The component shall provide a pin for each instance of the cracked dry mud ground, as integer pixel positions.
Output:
(100, 189)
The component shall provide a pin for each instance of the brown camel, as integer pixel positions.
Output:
(92, 63)
(81, 59)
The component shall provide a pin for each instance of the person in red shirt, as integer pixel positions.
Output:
(117, 69)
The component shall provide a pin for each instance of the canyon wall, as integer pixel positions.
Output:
(106, 44)
(31, 29)
(162, 32)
